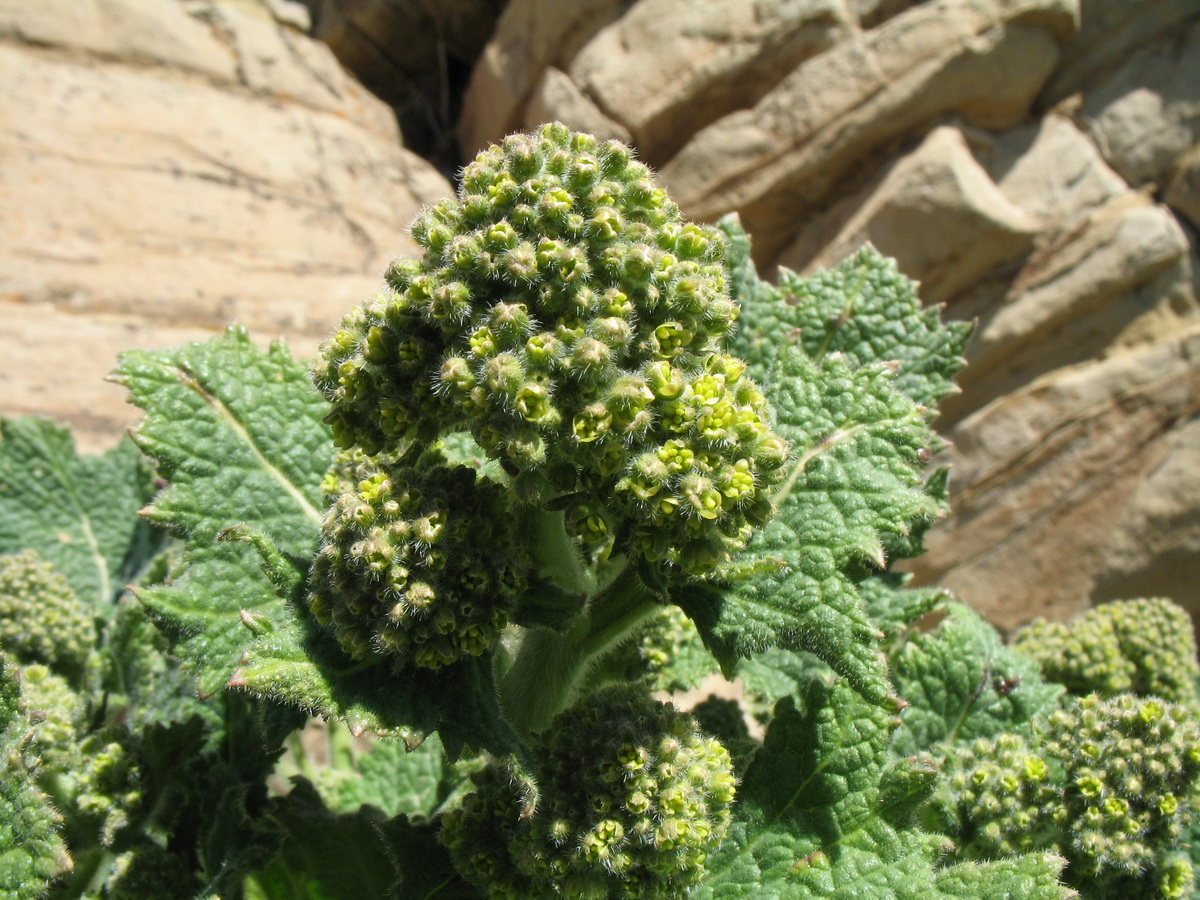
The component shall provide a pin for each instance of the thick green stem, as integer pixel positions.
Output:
(550, 665)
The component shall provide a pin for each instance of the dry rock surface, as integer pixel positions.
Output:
(1034, 163)
(183, 165)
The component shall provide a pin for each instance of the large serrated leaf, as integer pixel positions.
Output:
(865, 311)
(77, 511)
(813, 821)
(855, 476)
(324, 856)
(305, 668)
(863, 308)
(962, 683)
(238, 434)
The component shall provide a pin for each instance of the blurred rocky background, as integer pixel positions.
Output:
(169, 165)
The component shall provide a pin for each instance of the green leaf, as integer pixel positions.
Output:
(298, 663)
(855, 476)
(895, 608)
(350, 856)
(776, 673)
(238, 434)
(426, 871)
(821, 816)
(936, 484)
(864, 309)
(416, 783)
(139, 676)
(78, 512)
(324, 856)
(1033, 876)
(963, 683)
(32, 853)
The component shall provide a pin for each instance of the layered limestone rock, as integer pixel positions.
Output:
(531, 37)
(1146, 114)
(185, 165)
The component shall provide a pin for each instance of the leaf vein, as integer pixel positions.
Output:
(190, 380)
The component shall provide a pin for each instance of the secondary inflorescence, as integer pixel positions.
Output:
(42, 620)
(1107, 783)
(418, 559)
(1145, 647)
(633, 798)
(568, 317)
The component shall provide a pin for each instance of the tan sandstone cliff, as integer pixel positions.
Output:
(169, 165)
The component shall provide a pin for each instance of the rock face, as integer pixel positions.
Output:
(1034, 163)
(184, 165)
(415, 55)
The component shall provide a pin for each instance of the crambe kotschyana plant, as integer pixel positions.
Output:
(573, 458)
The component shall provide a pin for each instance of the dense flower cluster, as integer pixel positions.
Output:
(1109, 785)
(58, 712)
(633, 798)
(418, 559)
(569, 318)
(1145, 647)
(42, 620)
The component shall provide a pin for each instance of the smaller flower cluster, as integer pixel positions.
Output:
(42, 620)
(107, 785)
(419, 559)
(1109, 784)
(662, 641)
(1145, 647)
(1132, 768)
(58, 712)
(95, 777)
(999, 799)
(633, 799)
